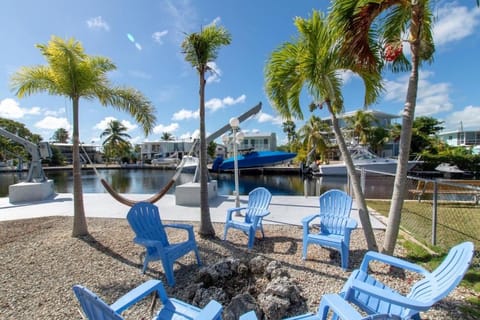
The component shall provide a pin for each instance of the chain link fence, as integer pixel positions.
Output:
(436, 211)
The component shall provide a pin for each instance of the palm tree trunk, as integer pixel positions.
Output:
(206, 227)
(357, 190)
(399, 187)
(79, 221)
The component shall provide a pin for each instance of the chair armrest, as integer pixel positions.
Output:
(179, 226)
(230, 211)
(147, 242)
(339, 306)
(351, 224)
(393, 261)
(213, 310)
(308, 219)
(137, 294)
(386, 295)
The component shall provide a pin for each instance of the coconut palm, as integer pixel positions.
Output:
(200, 49)
(289, 129)
(166, 136)
(313, 134)
(116, 139)
(313, 62)
(61, 135)
(73, 74)
(361, 124)
(359, 22)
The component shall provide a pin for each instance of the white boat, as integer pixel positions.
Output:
(190, 164)
(363, 158)
(160, 160)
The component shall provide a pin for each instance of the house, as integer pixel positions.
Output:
(467, 138)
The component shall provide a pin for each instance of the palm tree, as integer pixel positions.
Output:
(61, 135)
(73, 74)
(289, 129)
(166, 136)
(116, 141)
(314, 62)
(357, 22)
(313, 136)
(361, 124)
(200, 49)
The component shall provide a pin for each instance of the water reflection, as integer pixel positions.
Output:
(150, 181)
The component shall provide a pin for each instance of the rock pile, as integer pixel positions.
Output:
(241, 286)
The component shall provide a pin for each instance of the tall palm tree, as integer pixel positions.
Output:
(61, 135)
(359, 22)
(361, 124)
(314, 62)
(313, 136)
(166, 136)
(289, 129)
(116, 140)
(201, 48)
(71, 73)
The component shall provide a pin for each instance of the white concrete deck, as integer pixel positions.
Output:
(284, 209)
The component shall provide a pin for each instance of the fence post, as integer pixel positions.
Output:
(363, 175)
(434, 213)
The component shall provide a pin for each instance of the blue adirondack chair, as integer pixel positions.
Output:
(373, 296)
(145, 221)
(335, 225)
(96, 309)
(254, 212)
(339, 309)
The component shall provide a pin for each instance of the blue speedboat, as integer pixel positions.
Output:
(252, 159)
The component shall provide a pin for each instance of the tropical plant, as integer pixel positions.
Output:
(364, 27)
(71, 73)
(116, 143)
(289, 129)
(361, 124)
(200, 49)
(313, 61)
(61, 135)
(166, 136)
(314, 136)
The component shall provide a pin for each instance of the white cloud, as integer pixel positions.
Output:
(263, 117)
(183, 17)
(158, 36)
(469, 117)
(432, 98)
(216, 103)
(10, 109)
(54, 113)
(214, 73)
(53, 123)
(347, 76)
(102, 125)
(98, 23)
(190, 136)
(455, 23)
(185, 114)
(168, 128)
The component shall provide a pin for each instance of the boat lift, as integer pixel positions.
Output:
(37, 186)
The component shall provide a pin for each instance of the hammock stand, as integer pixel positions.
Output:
(155, 197)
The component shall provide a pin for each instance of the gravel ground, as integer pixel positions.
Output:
(40, 262)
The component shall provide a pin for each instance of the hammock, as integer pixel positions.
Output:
(155, 197)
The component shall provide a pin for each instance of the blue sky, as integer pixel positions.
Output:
(150, 60)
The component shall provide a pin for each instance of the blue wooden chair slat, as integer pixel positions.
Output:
(335, 225)
(95, 308)
(256, 209)
(373, 296)
(144, 218)
(332, 306)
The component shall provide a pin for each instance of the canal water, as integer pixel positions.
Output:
(148, 181)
